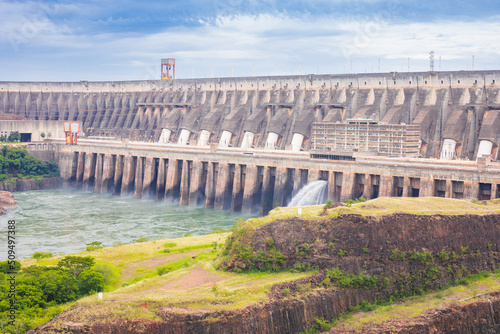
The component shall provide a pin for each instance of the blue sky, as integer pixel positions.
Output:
(110, 40)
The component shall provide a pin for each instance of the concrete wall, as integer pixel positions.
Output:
(225, 179)
(55, 128)
(444, 104)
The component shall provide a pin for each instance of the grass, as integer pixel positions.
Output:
(384, 206)
(416, 306)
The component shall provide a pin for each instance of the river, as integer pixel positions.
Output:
(64, 221)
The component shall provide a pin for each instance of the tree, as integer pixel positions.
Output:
(89, 280)
(14, 136)
(42, 134)
(76, 264)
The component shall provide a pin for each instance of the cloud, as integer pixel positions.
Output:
(96, 41)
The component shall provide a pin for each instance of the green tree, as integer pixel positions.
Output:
(76, 264)
(89, 280)
(42, 134)
(14, 136)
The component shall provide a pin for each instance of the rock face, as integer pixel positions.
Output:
(7, 201)
(476, 317)
(404, 252)
(31, 184)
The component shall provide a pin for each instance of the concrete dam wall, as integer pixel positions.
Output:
(458, 112)
(233, 180)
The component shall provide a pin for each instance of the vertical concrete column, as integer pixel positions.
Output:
(406, 186)
(385, 188)
(128, 175)
(367, 186)
(313, 175)
(331, 186)
(196, 183)
(250, 188)
(279, 186)
(236, 197)
(172, 180)
(209, 187)
(266, 200)
(79, 170)
(347, 186)
(426, 187)
(494, 187)
(449, 190)
(184, 189)
(138, 178)
(98, 174)
(107, 172)
(67, 167)
(148, 177)
(221, 186)
(160, 181)
(88, 171)
(117, 183)
(471, 190)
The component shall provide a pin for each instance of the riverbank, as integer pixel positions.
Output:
(285, 272)
(27, 184)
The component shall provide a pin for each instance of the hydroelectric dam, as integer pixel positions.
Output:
(249, 144)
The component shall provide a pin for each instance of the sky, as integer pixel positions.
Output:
(73, 40)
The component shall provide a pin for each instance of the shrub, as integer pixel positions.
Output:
(41, 255)
(141, 239)
(328, 204)
(76, 264)
(88, 281)
(94, 245)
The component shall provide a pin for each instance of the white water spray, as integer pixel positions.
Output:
(313, 193)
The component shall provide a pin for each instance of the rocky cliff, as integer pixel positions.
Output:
(30, 184)
(7, 201)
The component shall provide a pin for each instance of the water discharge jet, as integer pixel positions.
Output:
(313, 193)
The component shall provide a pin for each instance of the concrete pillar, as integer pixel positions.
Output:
(209, 187)
(347, 186)
(196, 183)
(406, 187)
(237, 195)
(331, 186)
(471, 190)
(88, 171)
(250, 188)
(160, 181)
(367, 186)
(494, 187)
(149, 173)
(221, 186)
(108, 169)
(279, 186)
(117, 183)
(184, 189)
(128, 175)
(426, 187)
(449, 190)
(385, 188)
(68, 163)
(79, 170)
(98, 174)
(139, 174)
(172, 180)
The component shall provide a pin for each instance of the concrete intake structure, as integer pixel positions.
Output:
(233, 180)
(271, 112)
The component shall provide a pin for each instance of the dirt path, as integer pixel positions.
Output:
(195, 278)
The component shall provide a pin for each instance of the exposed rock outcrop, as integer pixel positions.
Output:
(7, 201)
(31, 184)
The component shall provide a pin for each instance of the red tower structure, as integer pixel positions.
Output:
(167, 68)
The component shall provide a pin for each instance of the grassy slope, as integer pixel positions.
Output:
(417, 306)
(136, 264)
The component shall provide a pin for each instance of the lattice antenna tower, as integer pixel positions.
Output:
(431, 57)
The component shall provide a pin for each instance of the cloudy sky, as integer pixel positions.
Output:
(124, 40)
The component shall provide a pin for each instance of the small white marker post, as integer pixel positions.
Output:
(99, 296)
(300, 211)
